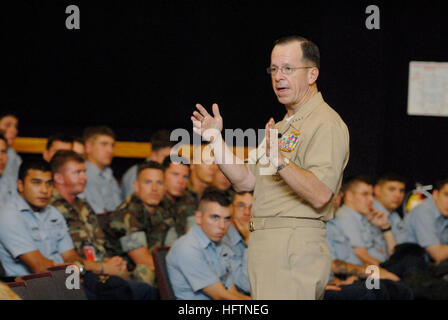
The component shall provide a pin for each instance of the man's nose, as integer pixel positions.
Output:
(45, 188)
(154, 187)
(278, 75)
(397, 194)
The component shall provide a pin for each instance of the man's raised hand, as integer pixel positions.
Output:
(378, 219)
(272, 144)
(206, 125)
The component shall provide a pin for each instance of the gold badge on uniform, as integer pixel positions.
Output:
(276, 177)
(289, 141)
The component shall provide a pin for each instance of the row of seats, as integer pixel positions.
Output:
(51, 285)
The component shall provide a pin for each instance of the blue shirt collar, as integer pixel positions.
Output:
(380, 207)
(353, 212)
(23, 206)
(234, 235)
(432, 206)
(20, 203)
(204, 241)
(92, 169)
(11, 152)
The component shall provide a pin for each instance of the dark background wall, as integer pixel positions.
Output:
(139, 66)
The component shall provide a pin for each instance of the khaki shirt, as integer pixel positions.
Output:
(315, 139)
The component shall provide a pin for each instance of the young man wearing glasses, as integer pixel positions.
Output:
(369, 230)
(237, 237)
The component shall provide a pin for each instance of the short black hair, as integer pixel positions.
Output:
(149, 165)
(33, 164)
(310, 50)
(78, 139)
(390, 176)
(58, 137)
(2, 137)
(240, 193)
(440, 184)
(212, 194)
(232, 193)
(6, 113)
(161, 139)
(61, 157)
(92, 132)
(177, 160)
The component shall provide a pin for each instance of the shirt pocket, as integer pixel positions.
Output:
(225, 262)
(36, 234)
(367, 239)
(56, 230)
(341, 246)
(56, 234)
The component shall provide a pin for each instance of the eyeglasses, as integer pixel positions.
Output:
(364, 194)
(284, 69)
(242, 206)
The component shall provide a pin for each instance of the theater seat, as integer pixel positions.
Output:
(2, 271)
(163, 281)
(40, 286)
(19, 289)
(60, 278)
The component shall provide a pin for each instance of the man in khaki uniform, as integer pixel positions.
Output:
(295, 177)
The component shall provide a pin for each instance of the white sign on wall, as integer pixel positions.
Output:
(428, 89)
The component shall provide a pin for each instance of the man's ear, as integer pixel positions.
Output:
(435, 195)
(135, 185)
(313, 74)
(232, 210)
(20, 186)
(376, 190)
(198, 217)
(348, 196)
(45, 155)
(58, 178)
(88, 146)
(165, 187)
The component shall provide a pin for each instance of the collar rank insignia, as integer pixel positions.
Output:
(288, 142)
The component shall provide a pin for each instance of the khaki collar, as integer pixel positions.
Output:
(301, 114)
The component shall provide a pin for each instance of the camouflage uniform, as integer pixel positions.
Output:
(132, 226)
(182, 208)
(192, 197)
(125, 202)
(85, 230)
(83, 225)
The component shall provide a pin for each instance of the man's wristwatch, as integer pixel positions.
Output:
(283, 165)
(82, 270)
(386, 229)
